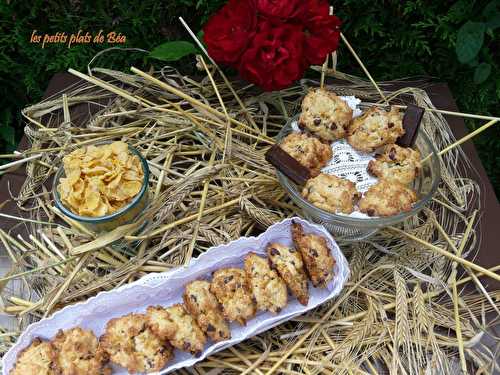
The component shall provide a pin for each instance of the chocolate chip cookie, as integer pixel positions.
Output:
(37, 358)
(231, 288)
(308, 151)
(288, 262)
(177, 326)
(375, 128)
(268, 289)
(203, 305)
(396, 163)
(317, 256)
(331, 193)
(130, 343)
(387, 198)
(325, 115)
(79, 353)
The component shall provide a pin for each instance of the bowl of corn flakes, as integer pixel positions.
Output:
(102, 186)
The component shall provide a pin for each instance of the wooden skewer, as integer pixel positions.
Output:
(363, 67)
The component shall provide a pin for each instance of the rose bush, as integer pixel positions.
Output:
(272, 42)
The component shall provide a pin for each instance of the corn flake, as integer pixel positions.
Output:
(100, 179)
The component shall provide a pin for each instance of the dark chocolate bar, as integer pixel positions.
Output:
(411, 123)
(287, 165)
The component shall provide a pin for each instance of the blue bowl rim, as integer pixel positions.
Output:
(114, 215)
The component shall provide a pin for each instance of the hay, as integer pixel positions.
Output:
(402, 309)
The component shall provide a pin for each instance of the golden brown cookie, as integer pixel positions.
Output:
(78, 353)
(177, 326)
(288, 262)
(331, 193)
(325, 115)
(375, 128)
(202, 304)
(36, 359)
(387, 198)
(317, 256)
(308, 151)
(396, 163)
(230, 287)
(130, 343)
(268, 289)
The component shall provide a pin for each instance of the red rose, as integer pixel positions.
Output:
(228, 32)
(279, 8)
(323, 31)
(275, 58)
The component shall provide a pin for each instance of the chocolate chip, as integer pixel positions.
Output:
(186, 346)
(314, 253)
(274, 251)
(228, 279)
(210, 328)
(391, 125)
(221, 334)
(392, 154)
(333, 126)
(302, 125)
(325, 274)
(193, 297)
(370, 212)
(345, 127)
(317, 121)
(278, 309)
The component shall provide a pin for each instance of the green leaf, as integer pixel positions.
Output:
(482, 73)
(7, 133)
(173, 51)
(470, 39)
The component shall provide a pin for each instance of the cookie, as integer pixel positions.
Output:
(230, 287)
(317, 256)
(387, 198)
(177, 326)
(130, 343)
(396, 163)
(308, 151)
(78, 353)
(202, 304)
(36, 359)
(375, 128)
(268, 289)
(325, 115)
(331, 193)
(289, 265)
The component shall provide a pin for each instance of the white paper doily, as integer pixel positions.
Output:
(166, 288)
(347, 162)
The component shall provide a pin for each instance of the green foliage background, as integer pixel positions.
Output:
(395, 39)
